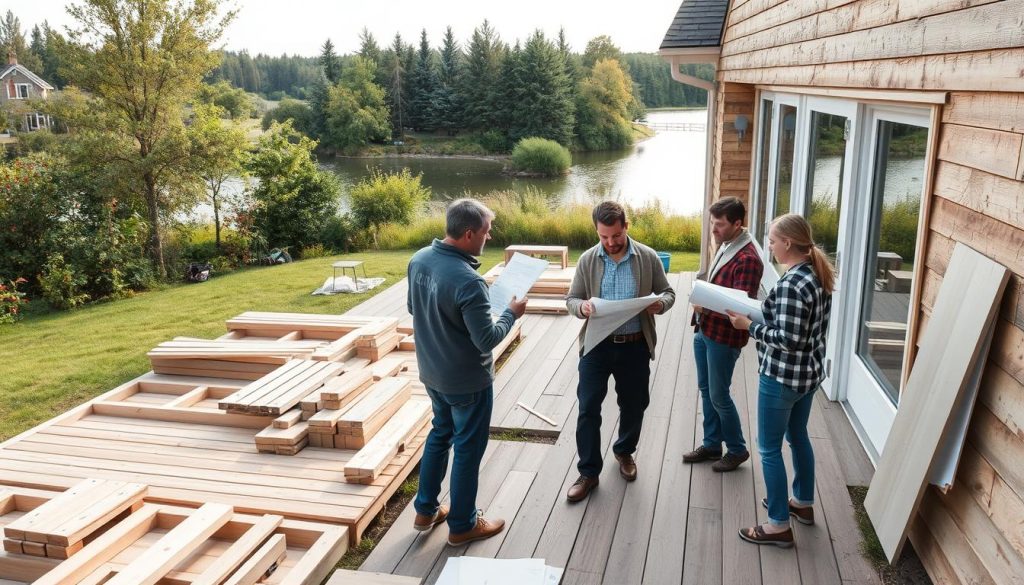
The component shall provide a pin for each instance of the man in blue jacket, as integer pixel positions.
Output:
(455, 334)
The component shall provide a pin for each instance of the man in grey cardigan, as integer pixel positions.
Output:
(451, 312)
(617, 268)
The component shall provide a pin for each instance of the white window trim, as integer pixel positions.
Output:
(17, 94)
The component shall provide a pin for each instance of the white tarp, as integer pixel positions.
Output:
(345, 284)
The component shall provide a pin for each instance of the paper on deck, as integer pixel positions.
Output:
(515, 280)
(487, 571)
(610, 315)
(721, 299)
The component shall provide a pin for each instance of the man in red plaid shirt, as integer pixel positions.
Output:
(717, 344)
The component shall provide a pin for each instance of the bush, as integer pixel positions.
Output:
(62, 287)
(387, 198)
(315, 251)
(12, 301)
(289, 109)
(493, 141)
(338, 233)
(541, 156)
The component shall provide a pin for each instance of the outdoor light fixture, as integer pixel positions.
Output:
(741, 126)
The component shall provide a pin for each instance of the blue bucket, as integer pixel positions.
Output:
(666, 259)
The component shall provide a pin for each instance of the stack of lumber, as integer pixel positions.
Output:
(366, 406)
(338, 334)
(335, 397)
(58, 529)
(562, 252)
(227, 358)
(377, 452)
(282, 389)
(378, 339)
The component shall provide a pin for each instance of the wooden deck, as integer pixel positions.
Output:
(676, 523)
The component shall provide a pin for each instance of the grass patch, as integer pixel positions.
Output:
(906, 570)
(521, 436)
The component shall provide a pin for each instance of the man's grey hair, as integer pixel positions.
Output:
(466, 214)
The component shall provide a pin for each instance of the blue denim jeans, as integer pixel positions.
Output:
(630, 365)
(461, 421)
(783, 412)
(715, 364)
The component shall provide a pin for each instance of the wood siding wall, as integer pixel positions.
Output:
(973, 49)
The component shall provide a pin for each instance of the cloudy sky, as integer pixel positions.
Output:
(300, 26)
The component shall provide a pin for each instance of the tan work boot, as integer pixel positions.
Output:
(422, 523)
(483, 529)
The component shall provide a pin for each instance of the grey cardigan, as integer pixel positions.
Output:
(648, 272)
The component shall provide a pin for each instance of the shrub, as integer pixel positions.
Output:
(338, 233)
(62, 287)
(493, 141)
(315, 251)
(541, 156)
(12, 301)
(387, 198)
(288, 109)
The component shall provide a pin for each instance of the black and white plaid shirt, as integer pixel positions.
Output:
(791, 343)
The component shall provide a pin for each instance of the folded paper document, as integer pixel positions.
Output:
(721, 299)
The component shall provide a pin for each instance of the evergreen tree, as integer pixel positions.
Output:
(480, 79)
(397, 95)
(330, 62)
(573, 64)
(446, 105)
(544, 106)
(422, 85)
(318, 96)
(12, 38)
(370, 50)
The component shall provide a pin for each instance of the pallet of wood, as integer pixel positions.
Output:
(562, 252)
(340, 334)
(227, 358)
(155, 543)
(281, 390)
(546, 305)
(377, 340)
(58, 529)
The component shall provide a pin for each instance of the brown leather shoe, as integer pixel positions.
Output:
(422, 523)
(757, 535)
(627, 467)
(802, 514)
(483, 529)
(701, 454)
(729, 462)
(582, 488)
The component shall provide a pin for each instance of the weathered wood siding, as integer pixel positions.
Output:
(973, 49)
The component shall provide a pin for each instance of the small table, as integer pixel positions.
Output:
(888, 261)
(561, 251)
(346, 265)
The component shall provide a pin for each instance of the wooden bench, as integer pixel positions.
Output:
(561, 251)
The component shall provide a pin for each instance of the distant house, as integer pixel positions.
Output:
(20, 87)
(897, 128)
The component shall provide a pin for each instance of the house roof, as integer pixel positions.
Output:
(698, 23)
(31, 76)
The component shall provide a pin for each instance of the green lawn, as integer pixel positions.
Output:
(56, 360)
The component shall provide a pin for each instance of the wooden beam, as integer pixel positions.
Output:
(262, 562)
(239, 551)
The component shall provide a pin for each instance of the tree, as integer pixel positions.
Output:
(12, 38)
(446, 104)
(217, 150)
(292, 200)
(234, 102)
(330, 62)
(604, 108)
(422, 85)
(370, 50)
(143, 60)
(387, 198)
(357, 112)
(541, 101)
(397, 92)
(601, 47)
(288, 109)
(480, 81)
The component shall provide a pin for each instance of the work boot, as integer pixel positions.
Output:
(483, 529)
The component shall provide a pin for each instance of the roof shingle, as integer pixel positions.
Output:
(698, 23)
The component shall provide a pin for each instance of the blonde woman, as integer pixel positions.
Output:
(791, 348)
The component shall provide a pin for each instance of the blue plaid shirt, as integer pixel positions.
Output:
(618, 284)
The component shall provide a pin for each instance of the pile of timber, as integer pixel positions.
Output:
(377, 340)
(227, 358)
(281, 389)
(339, 335)
(58, 529)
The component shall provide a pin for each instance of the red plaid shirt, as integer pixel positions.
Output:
(744, 273)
